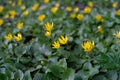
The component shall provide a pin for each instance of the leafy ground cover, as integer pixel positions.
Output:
(59, 40)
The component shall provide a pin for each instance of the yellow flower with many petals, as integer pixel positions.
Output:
(73, 15)
(1, 8)
(88, 46)
(25, 13)
(56, 45)
(10, 1)
(18, 37)
(20, 25)
(117, 34)
(41, 8)
(19, 2)
(99, 18)
(6, 16)
(1, 21)
(114, 5)
(23, 7)
(87, 10)
(47, 33)
(80, 16)
(46, 1)
(54, 9)
(35, 7)
(12, 16)
(57, 4)
(41, 17)
(12, 12)
(48, 26)
(118, 12)
(8, 37)
(69, 9)
(90, 4)
(63, 40)
(100, 29)
(76, 9)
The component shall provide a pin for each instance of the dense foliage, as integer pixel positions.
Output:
(59, 40)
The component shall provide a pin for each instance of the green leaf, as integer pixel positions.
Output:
(38, 76)
(112, 75)
(69, 74)
(56, 70)
(3, 76)
(27, 76)
(20, 50)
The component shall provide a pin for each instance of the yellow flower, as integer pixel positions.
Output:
(25, 13)
(117, 34)
(57, 4)
(56, 45)
(41, 8)
(80, 16)
(10, 1)
(63, 40)
(90, 4)
(6, 16)
(76, 9)
(46, 1)
(41, 17)
(20, 25)
(99, 18)
(48, 26)
(69, 9)
(88, 46)
(19, 2)
(42, 62)
(35, 6)
(114, 5)
(48, 34)
(18, 37)
(23, 7)
(87, 10)
(13, 4)
(118, 12)
(12, 12)
(73, 15)
(54, 9)
(8, 37)
(1, 21)
(100, 29)
(12, 16)
(1, 8)
(118, 40)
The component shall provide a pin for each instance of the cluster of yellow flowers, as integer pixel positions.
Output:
(61, 41)
(17, 37)
(80, 16)
(48, 27)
